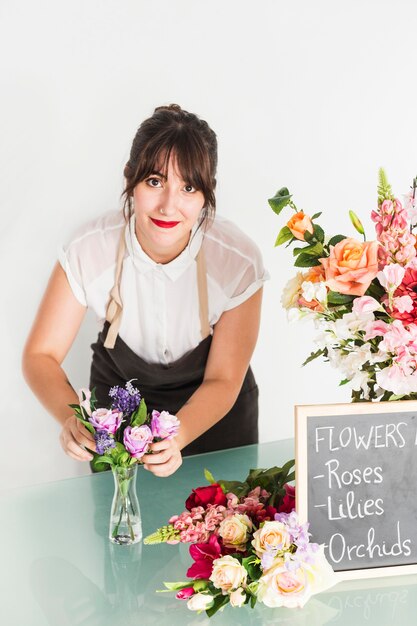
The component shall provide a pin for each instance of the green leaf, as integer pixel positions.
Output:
(234, 486)
(316, 215)
(308, 236)
(252, 566)
(253, 600)
(306, 260)
(177, 586)
(334, 240)
(284, 235)
(313, 355)
(395, 397)
(344, 382)
(333, 297)
(280, 200)
(219, 602)
(314, 249)
(209, 476)
(88, 426)
(140, 415)
(318, 233)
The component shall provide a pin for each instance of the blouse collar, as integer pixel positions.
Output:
(174, 268)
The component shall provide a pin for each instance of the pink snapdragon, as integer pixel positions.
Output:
(365, 304)
(106, 420)
(397, 243)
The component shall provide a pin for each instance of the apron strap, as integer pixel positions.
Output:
(203, 293)
(115, 306)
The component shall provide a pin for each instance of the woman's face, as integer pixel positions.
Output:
(166, 208)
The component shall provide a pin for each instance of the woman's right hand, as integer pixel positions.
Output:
(74, 438)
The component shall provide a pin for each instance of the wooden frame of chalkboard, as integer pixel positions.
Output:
(356, 484)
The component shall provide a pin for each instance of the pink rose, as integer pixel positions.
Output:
(137, 439)
(106, 419)
(351, 266)
(164, 425)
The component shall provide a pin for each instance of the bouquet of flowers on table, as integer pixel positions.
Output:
(123, 433)
(247, 545)
(362, 295)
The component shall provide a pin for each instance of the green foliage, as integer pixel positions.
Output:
(280, 200)
(219, 602)
(272, 479)
(284, 235)
(318, 233)
(384, 188)
(209, 476)
(314, 355)
(334, 240)
(140, 415)
(252, 565)
(306, 260)
(175, 586)
(338, 299)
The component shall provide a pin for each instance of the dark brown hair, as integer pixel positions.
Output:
(172, 130)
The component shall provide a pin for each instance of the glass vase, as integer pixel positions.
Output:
(125, 521)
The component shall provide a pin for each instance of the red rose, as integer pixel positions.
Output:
(288, 502)
(202, 496)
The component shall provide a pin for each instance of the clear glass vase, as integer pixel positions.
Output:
(125, 520)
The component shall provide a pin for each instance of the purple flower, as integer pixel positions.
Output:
(106, 420)
(103, 441)
(137, 439)
(125, 400)
(164, 425)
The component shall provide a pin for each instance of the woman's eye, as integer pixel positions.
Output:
(153, 182)
(189, 188)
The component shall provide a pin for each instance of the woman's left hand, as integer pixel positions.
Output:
(165, 458)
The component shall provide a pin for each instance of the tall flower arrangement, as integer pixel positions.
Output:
(362, 295)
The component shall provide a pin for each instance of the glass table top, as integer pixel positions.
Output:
(58, 567)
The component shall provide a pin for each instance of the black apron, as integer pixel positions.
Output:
(168, 387)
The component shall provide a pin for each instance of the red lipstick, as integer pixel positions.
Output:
(164, 223)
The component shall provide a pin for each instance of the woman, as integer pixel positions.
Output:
(180, 293)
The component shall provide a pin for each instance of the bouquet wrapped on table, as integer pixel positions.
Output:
(362, 296)
(247, 545)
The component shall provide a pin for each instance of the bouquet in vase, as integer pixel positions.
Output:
(123, 433)
(362, 295)
(247, 545)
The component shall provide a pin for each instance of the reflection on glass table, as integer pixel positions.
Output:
(59, 568)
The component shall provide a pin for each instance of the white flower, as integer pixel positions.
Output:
(314, 291)
(403, 304)
(237, 597)
(200, 602)
(228, 574)
(291, 291)
(280, 586)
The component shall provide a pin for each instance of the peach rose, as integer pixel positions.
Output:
(282, 587)
(228, 574)
(234, 531)
(298, 224)
(271, 535)
(351, 266)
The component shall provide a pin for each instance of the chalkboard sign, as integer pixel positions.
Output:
(356, 477)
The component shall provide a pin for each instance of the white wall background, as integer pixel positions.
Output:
(312, 95)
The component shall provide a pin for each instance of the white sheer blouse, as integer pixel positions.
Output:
(160, 319)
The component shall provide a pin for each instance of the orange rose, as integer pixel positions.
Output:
(315, 274)
(351, 266)
(298, 224)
